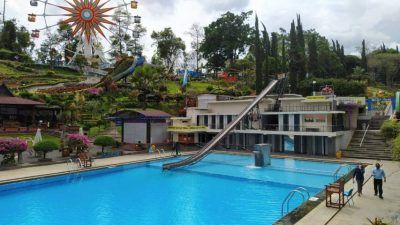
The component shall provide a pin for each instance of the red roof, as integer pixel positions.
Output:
(17, 101)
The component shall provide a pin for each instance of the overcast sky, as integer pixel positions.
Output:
(349, 21)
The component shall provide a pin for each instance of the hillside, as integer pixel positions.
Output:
(19, 75)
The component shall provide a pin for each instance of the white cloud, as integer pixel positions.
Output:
(349, 21)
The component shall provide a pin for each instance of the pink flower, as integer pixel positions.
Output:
(12, 145)
(95, 91)
(78, 139)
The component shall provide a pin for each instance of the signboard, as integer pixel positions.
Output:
(380, 104)
(315, 97)
(315, 118)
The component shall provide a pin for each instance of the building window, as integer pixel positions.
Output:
(205, 121)
(213, 122)
(221, 122)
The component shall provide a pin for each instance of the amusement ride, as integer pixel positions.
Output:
(90, 22)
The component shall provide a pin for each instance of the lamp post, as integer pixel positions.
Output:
(313, 87)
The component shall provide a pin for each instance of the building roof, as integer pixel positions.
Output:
(17, 101)
(148, 113)
(4, 91)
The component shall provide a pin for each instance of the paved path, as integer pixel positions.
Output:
(366, 206)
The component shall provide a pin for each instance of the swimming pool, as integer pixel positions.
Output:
(221, 189)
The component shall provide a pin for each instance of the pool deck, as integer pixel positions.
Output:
(33, 172)
(366, 206)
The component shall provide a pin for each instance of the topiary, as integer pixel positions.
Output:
(45, 147)
(104, 141)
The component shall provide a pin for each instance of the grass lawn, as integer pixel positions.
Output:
(198, 87)
(32, 136)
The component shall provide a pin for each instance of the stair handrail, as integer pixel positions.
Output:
(365, 134)
(388, 110)
(288, 198)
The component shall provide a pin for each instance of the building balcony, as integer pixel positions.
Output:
(311, 108)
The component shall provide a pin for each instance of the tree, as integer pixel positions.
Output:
(226, 38)
(65, 38)
(258, 55)
(8, 38)
(274, 60)
(120, 39)
(169, 47)
(23, 39)
(104, 141)
(135, 47)
(301, 48)
(46, 147)
(293, 58)
(266, 45)
(147, 80)
(364, 63)
(386, 67)
(196, 32)
(283, 53)
(312, 56)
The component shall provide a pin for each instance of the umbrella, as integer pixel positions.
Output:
(38, 137)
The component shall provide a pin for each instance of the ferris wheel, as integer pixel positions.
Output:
(90, 21)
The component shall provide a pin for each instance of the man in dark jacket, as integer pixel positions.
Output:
(359, 176)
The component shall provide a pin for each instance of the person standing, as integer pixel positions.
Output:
(379, 176)
(359, 176)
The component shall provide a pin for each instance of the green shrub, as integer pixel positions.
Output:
(343, 87)
(104, 141)
(45, 147)
(210, 88)
(396, 149)
(50, 73)
(390, 129)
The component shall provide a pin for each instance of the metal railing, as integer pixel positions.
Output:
(336, 173)
(365, 134)
(289, 108)
(285, 127)
(286, 201)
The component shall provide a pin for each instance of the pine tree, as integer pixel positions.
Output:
(312, 56)
(334, 46)
(258, 55)
(337, 48)
(266, 45)
(274, 61)
(293, 58)
(283, 55)
(397, 49)
(301, 49)
(364, 63)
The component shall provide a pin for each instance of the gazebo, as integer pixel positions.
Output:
(143, 126)
(19, 114)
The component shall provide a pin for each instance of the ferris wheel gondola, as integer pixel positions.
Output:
(90, 21)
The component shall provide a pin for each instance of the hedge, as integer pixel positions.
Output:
(390, 129)
(9, 55)
(343, 87)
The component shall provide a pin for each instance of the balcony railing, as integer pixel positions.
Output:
(318, 108)
(297, 128)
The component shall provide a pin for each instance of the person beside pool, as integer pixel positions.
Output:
(379, 175)
(359, 176)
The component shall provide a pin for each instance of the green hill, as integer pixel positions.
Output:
(16, 74)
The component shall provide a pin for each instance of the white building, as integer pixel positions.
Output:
(314, 125)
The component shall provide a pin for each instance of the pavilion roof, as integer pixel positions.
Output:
(5, 100)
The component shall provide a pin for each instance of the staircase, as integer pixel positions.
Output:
(373, 147)
(377, 121)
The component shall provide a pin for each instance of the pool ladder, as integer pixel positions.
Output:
(300, 191)
(336, 173)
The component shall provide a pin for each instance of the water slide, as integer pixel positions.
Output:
(204, 151)
(136, 63)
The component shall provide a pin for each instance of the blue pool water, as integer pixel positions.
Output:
(221, 189)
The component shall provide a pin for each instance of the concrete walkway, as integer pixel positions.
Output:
(366, 206)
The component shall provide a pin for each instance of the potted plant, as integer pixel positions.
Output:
(104, 141)
(45, 147)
